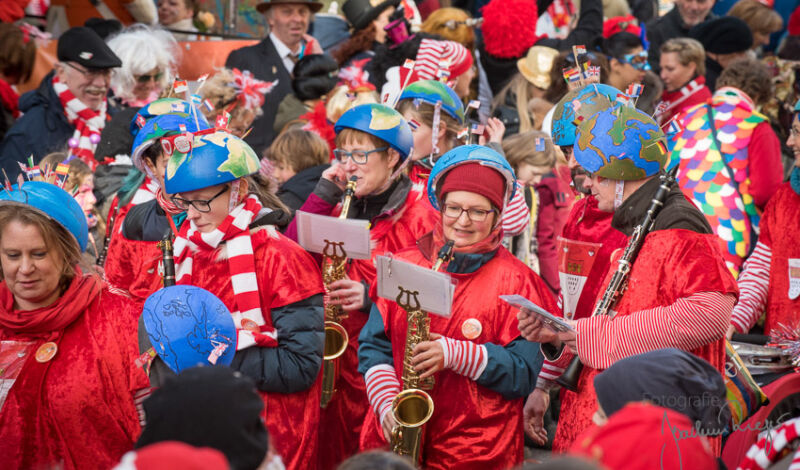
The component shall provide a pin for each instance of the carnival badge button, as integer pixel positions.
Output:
(46, 352)
(250, 325)
(471, 328)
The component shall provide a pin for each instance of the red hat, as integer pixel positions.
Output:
(621, 24)
(433, 54)
(476, 178)
(509, 27)
(642, 436)
(173, 454)
(793, 26)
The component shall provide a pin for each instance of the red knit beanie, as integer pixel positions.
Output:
(475, 178)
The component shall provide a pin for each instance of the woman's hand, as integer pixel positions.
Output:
(534, 330)
(570, 338)
(731, 331)
(428, 357)
(494, 131)
(388, 425)
(533, 415)
(347, 293)
(336, 175)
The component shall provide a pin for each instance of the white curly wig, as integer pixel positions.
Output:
(142, 48)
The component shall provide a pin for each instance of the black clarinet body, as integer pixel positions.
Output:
(167, 259)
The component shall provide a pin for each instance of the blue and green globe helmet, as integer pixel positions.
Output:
(432, 92)
(209, 158)
(580, 103)
(621, 143)
(470, 154)
(188, 327)
(161, 126)
(161, 107)
(54, 203)
(380, 121)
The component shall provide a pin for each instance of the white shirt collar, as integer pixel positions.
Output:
(283, 49)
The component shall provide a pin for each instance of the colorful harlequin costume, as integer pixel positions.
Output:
(679, 293)
(69, 379)
(477, 418)
(271, 286)
(744, 145)
(399, 216)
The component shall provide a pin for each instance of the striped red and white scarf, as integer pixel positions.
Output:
(251, 325)
(85, 120)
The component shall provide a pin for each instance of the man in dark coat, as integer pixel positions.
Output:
(274, 57)
(675, 24)
(84, 70)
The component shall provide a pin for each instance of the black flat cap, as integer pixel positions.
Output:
(724, 35)
(86, 47)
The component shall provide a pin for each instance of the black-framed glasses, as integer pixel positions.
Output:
(146, 78)
(475, 215)
(358, 156)
(91, 73)
(199, 205)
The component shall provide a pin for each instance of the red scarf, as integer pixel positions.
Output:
(672, 102)
(82, 291)
(86, 121)
(9, 98)
(169, 207)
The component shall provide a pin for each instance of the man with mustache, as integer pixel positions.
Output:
(585, 244)
(68, 110)
(274, 58)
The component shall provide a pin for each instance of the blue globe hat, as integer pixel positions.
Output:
(621, 143)
(469, 154)
(380, 121)
(211, 157)
(163, 126)
(432, 92)
(579, 103)
(161, 107)
(189, 326)
(53, 202)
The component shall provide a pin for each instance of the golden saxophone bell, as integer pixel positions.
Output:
(336, 339)
(411, 409)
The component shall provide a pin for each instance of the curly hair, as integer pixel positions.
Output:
(360, 41)
(142, 48)
(750, 76)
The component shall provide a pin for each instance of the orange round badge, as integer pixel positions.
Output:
(46, 352)
(471, 328)
(250, 325)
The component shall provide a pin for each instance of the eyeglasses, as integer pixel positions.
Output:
(795, 132)
(358, 156)
(199, 205)
(475, 215)
(637, 61)
(91, 74)
(146, 78)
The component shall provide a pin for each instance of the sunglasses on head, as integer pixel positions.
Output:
(638, 61)
(146, 78)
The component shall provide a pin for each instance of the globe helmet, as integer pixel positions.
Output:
(54, 203)
(208, 158)
(621, 143)
(189, 326)
(469, 154)
(161, 126)
(432, 92)
(382, 122)
(160, 107)
(580, 103)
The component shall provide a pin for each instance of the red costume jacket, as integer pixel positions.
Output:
(286, 274)
(674, 102)
(132, 265)
(473, 426)
(77, 409)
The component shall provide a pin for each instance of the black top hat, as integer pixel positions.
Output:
(360, 13)
(264, 6)
(84, 46)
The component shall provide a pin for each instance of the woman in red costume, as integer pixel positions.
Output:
(483, 369)
(770, 280)
(272, 287)
(372, 142)
(67, 346)
(679, 293)
(683, 70)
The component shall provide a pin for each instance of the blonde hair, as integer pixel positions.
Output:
(520, 148)
(219, 90)
(340, 99)
(299, 149)
(523, 92)
(449, 23)
(689, 51)
(759, 17)
(425, 113)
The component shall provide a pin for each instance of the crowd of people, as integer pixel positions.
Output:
(627, 168)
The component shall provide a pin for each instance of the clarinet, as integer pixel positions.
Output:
(101, 259)
(619, 280)
(167, 260)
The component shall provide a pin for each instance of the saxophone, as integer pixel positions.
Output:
(413, 407)
(334, 260)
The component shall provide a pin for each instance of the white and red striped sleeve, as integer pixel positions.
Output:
(382, 386)
(464, 357)
(753, 288)
(687, 324)
(517, 216)
(552, 369)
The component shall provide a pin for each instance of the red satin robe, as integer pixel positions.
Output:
(132, 265)
(341, 420)
(77, 409)
(286, 274)
(672, 264)
(472, 427)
